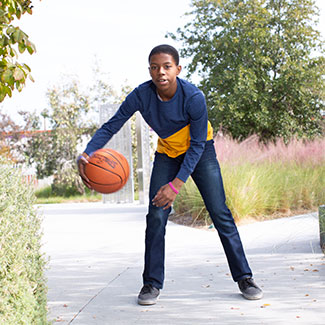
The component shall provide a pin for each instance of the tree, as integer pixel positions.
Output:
(10, 135)
(12, 73)
(54, 151)
(261, 65)
(71, 122)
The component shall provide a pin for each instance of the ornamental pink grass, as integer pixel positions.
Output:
(298, 152)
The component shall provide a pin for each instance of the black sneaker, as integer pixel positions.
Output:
(250, 289)
(148, 295)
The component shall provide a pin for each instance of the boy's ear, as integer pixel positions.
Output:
(179, 69)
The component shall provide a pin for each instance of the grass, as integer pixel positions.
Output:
(263, 182)
(45, 196)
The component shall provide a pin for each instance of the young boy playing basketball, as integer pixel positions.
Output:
(176, 111)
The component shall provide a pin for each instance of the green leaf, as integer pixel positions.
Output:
(18, 74)
(7, 77)
(26, 67)
(18, 35)
(31, 78)
(9, 92)
(30, 47)
(11, 29)
(21, 47)
(3, 93)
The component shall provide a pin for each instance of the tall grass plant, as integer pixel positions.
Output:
(264, 181)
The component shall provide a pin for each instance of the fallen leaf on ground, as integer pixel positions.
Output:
(206, 286)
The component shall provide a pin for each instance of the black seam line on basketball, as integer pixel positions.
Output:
(100, 183)
(119, 164)
(106, 170)
(84, 179)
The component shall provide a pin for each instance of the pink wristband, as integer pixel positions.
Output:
(172, 187)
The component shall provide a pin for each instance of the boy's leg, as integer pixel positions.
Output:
(164, 171)
(208, 179)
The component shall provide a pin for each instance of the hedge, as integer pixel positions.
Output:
(23, 287)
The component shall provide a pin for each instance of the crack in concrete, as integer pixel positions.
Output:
(97, 294)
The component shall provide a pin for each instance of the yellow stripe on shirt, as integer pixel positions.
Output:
(179, 142)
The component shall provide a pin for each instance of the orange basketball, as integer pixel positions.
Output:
(107, 171)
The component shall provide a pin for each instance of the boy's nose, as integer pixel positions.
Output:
(161, 70)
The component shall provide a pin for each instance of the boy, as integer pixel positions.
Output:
(176, 111)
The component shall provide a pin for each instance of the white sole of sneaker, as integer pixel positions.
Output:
(147, 302)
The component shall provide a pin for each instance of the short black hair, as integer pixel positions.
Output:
(167, 49)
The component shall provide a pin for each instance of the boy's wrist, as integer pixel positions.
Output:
(177, 184)
(173, 188)
(83, 155)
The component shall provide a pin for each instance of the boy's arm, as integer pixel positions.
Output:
(198, 132)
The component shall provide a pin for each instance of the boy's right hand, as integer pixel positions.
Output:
(82, 161)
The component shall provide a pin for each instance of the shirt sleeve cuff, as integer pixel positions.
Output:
(183, 175)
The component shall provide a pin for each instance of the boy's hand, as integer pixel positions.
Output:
(166, 195)
(82, 161)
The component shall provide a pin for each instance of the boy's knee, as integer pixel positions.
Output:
(157, 217)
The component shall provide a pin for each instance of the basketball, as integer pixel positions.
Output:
(107, 171)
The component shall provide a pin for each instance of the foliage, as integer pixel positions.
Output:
(259, 65)
(22, 282)
(101, 92)
(54, 151)
(9, 137)
(264, 180)
(72, 121)
(12, 73)
(46, 195)
(12, 136)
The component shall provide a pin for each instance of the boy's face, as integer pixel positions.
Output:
(163, 71)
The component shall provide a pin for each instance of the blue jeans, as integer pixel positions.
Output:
(207, 178)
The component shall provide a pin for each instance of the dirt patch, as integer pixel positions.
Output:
(188, 221)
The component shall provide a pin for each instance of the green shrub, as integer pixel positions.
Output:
(45, 195)
(22, 283)
(67, 182)
(44, 192)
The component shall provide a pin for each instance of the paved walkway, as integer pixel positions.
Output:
(96, 260)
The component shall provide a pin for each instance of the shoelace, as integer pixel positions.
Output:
(146, 289)
(248, 283)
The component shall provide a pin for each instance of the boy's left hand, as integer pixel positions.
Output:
(164, 197)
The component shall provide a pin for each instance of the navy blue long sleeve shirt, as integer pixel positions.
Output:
(187, 108)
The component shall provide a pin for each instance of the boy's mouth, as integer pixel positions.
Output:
(162, 81)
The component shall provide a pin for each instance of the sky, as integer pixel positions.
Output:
(70, 35)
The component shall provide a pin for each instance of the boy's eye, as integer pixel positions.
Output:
(153, 68)
(168, 67)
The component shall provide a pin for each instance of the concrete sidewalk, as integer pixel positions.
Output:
(96, 261)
